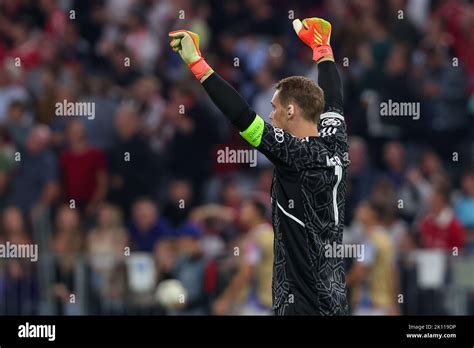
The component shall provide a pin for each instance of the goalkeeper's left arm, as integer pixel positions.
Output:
(316, 33)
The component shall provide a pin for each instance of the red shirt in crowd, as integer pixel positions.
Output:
(79, 173)
(442, 231)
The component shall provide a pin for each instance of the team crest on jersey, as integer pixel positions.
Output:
(333, 122)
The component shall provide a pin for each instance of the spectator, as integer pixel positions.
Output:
(465, 204)
(19, 286)
(395, 162)
(67, 244)
(106, 246)
(139, 40)
(431, 165)
(361, 175)
(217, 223)
(443, 89)
(55, 17)
(121, 71)
(10, 91)
(7, 164)
(109, 237)
(26, 45)
(190, 268)
(374, 280)
(99, 132)
(179, 202)
(73, 46)
(195, 129)
(83, 170)
(254, 276)
(14, 226)
(147, 227)
(146, 92)
(46, 96)
(19, 289)
(464, 207)
(18, 122)
(132, 163)
(409, 184)
(35, 182)
(440, 228)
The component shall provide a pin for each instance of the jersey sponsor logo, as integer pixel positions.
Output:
(279, 135)
(330, 122)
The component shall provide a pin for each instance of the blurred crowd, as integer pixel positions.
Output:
(142, 175)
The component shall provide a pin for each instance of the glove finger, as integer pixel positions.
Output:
(179, 34)
(297, 25)
(175, 43)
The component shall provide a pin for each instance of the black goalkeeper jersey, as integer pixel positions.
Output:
(308, 196)
(308, 190)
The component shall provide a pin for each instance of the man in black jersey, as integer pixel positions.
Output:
(307, 143)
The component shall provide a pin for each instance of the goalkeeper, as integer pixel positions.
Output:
(307, 143)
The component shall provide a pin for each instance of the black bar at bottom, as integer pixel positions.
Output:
(158, 330)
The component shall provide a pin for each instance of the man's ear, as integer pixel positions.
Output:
(290, 111)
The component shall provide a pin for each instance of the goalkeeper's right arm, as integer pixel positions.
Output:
(224, 96)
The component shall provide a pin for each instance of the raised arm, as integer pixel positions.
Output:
(316, 33)
(226, 98)
(330, 83)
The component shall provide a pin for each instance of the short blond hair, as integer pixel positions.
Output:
(305, 93)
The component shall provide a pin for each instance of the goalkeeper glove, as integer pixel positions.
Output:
(316, 33)
(186, 43)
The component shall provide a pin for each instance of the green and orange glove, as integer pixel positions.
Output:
(316, 33)
(186, 43)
